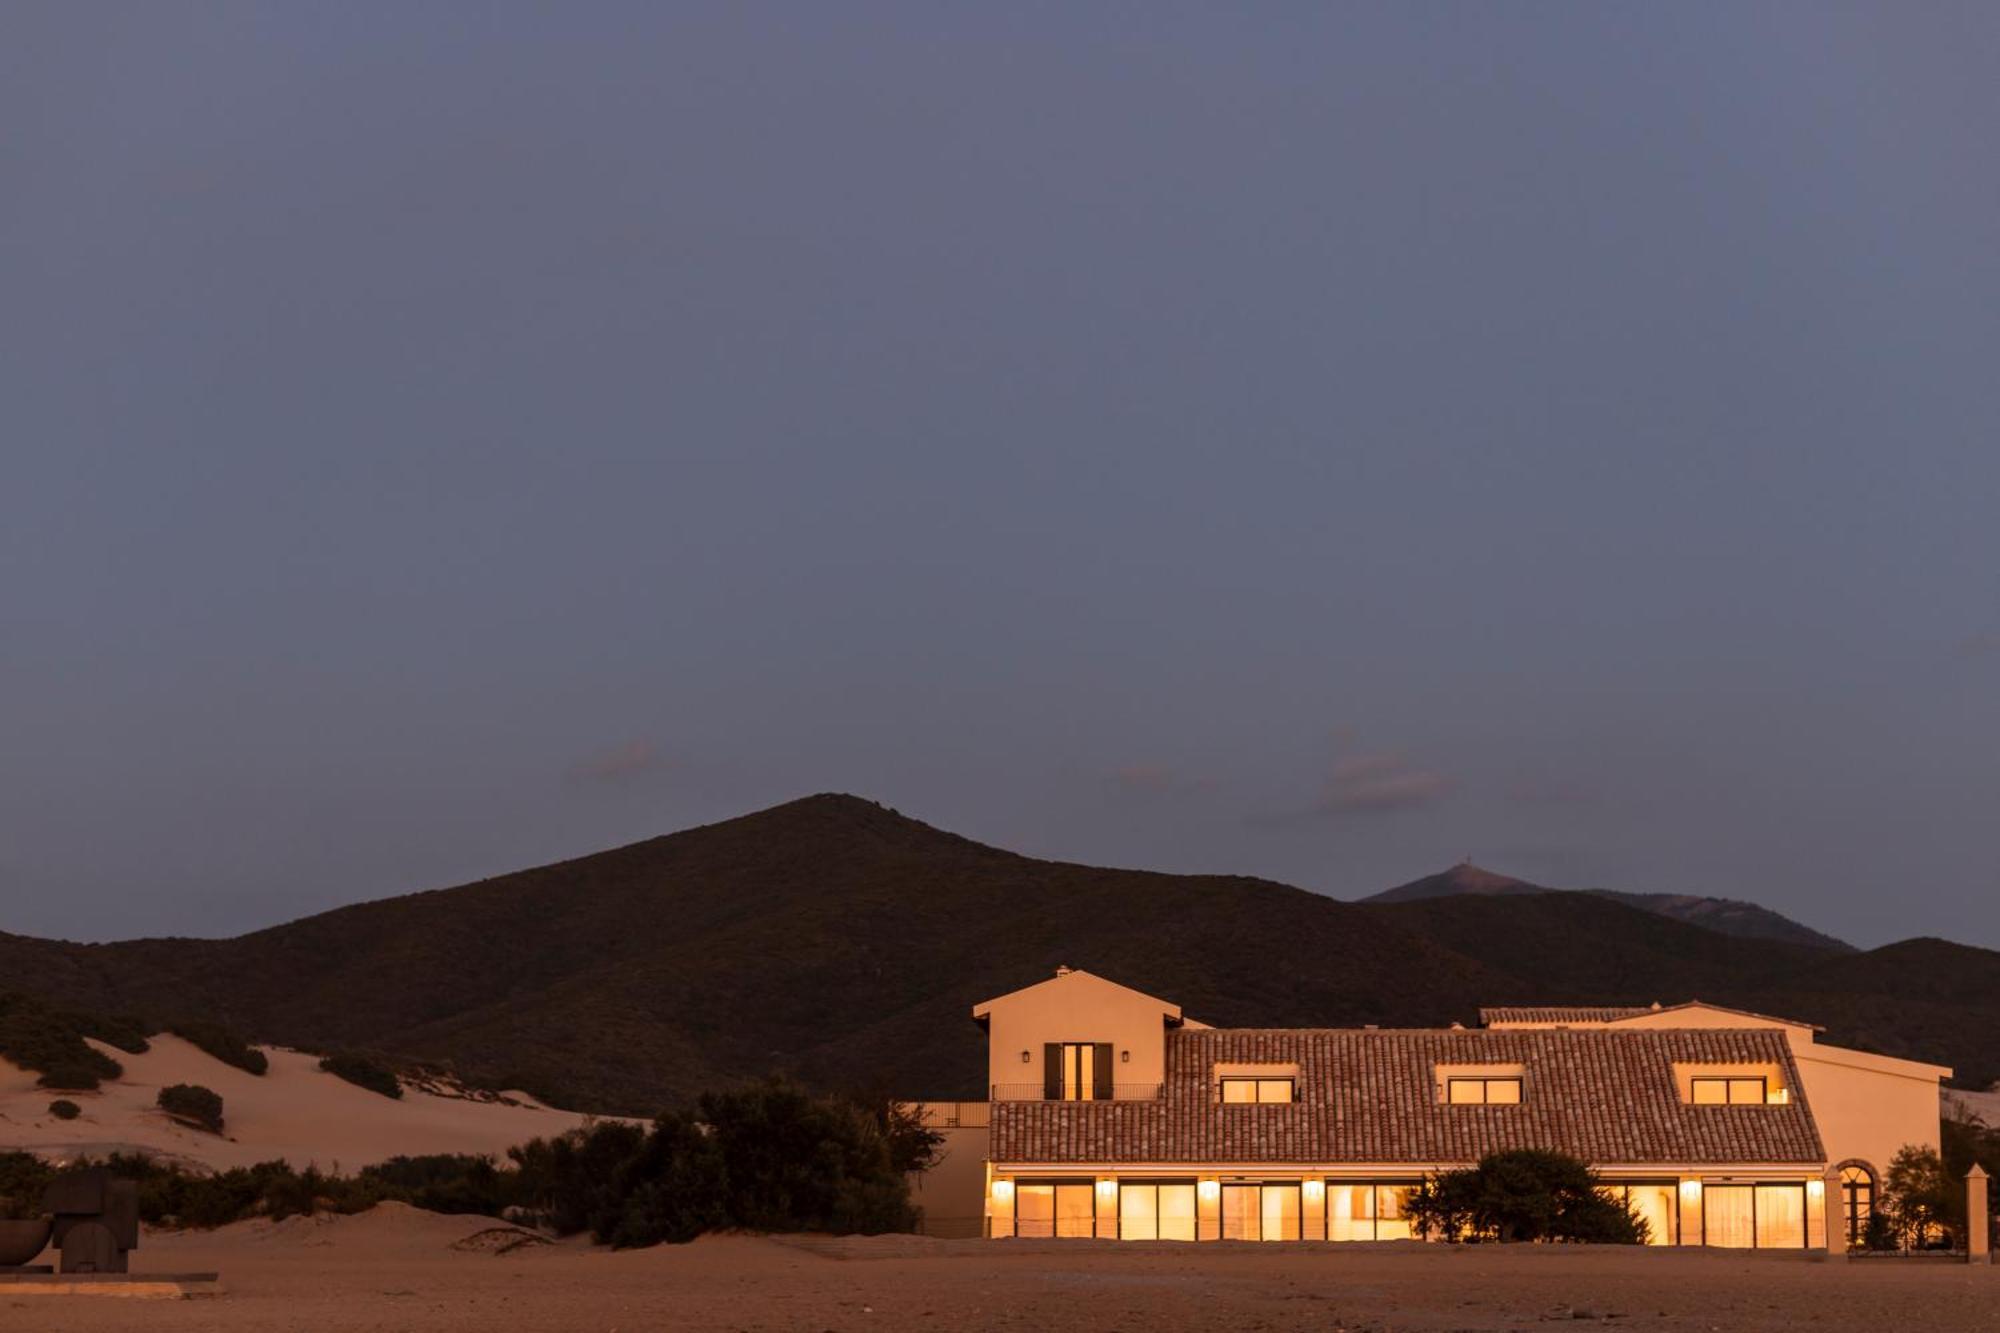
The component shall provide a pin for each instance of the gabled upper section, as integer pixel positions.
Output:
(1076, 1037)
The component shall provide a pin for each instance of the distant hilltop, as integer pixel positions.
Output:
(1725, 916)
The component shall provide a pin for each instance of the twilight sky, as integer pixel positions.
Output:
(1321, 442)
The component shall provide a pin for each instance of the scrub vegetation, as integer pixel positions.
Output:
(771, 1157)
(193, 1104)
(50, 1041)
(223, 1044)
(363, 1072)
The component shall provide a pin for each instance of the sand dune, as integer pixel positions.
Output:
(295, 1112)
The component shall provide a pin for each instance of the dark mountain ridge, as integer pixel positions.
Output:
(844, 944)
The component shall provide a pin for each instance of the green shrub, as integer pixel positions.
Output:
(124, 1031)
(446, 1183)
(363, 1072)
(223, 1044)
(64, 1109)
(24, 1177)
(1523, 1195)
(193, 1103)
(37, 1036)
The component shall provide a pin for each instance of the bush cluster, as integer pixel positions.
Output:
(62, 1108)
(363, 1072)
(223, 1044)
(770, 1157)
(199, 1106)
(36, 1035)
(1522, 1195)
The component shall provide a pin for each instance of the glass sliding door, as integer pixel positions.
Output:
(1781, 1217)
(1729, 1216)
(1076, 1211)
(1366, 1212)
(1177, 1211)
(1035, 1211)
(1281, 1212)
(1242, 1212)
(1390, 1224)
(1138, 1212)
(1654, 1202)
(1260, 1212)
(1156, 1211)
(1350, 1212)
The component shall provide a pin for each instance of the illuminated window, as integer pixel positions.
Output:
(1654, 1202)
(1076, 1071)
(1366, 1212)
(1163, 1211)
(1239, 1091)
(1483, 1091)
(1260, 1212)
(1857, 1201)
(1764, 1217)
(1731, 1091)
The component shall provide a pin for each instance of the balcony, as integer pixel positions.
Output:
(1035, 1092)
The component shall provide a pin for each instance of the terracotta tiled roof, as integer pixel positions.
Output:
(1605, 1095)
(1582, 1013)
(1616, 1013)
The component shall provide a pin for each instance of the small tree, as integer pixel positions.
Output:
(64, 1109)
(1523, 1195)
(190, 1102)
(1442, 1206)
(913, 1145)
(1923, 1204)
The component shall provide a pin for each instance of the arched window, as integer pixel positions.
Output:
(1857, 1200)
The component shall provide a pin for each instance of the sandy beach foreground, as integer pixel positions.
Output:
(396, 1268)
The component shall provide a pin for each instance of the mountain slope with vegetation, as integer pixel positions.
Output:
(843, 944)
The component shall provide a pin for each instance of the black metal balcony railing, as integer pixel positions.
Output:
(1036, 1092)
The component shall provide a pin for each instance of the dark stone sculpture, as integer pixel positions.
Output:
(92, 1218)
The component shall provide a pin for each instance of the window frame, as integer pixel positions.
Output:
(1484, 1082)
(1256, 1082)
(1376, 1189)
(1729, 1084)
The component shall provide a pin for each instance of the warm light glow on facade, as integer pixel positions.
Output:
(1003, 1191)
(1210, 1191)
(1690, 1189)
(1816, 1190)
(1107, 1188)
(1315, 1190)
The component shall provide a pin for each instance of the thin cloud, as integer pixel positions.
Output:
(1371, 783)
(625, 763)
(1984, 644)
(1145, 778)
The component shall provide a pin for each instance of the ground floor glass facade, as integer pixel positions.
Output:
(1724, 1214)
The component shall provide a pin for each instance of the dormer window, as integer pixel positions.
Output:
(1730, 1091)
(1483, 1091)
(1245, 1091)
